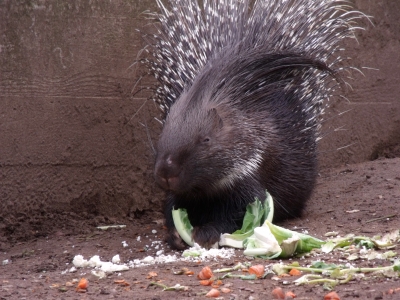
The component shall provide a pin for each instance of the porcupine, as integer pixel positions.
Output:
(242, 87)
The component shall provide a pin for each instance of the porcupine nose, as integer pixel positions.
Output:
(167, 173)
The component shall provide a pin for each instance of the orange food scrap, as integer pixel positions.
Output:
(151, 275)
(225, 290)
(121, 282)
(189, 273)
(332, 296)
(278, 293)
(257, 270)
(294, 272)
(205, 273)
(290, 295)
(83, 284)
(216, 284)
(206, 282)
(392, 291)
(213, 293)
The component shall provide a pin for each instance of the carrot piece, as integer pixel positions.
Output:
(189, 273)
(213, 293)
(206, 282)
(278, 293)
(225, 290)
(258, 270)
(205, 273)
(83, 284)
(216, 284)
(290, 295)
(294, 272)
(332, 296)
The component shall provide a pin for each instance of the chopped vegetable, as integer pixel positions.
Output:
(262, 243)
(277, 293)
(294, 272)
(338, 274)
(122, 282)
(83, 284)
(205, 273)
(290, 295)
(225, 290)
(182, 225)
(257, 270)
(244, 277)
(386, 242)
(110, 226)
(176, 287)
(306, 242)
(216, 284)
(256, 214)
(258, 235)
(234, 268)
(332, 296)
(213, 293)
(206, 282)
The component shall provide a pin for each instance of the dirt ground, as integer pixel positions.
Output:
(94, 171)
(362, 199)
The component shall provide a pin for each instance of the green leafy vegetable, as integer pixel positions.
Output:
(262, 243)
(258, 235)
(338, 274)
(182, 225)
(256, 214)
(386, 242)
(306, 242)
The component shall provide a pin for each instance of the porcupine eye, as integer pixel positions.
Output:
(206, 140)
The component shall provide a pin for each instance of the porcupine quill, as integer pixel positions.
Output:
(242, 87)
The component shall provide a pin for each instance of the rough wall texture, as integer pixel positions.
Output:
(74, 138)
(71, 135)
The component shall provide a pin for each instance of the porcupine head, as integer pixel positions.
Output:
(242, 91)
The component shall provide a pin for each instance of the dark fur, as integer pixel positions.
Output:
(242, 88)
(216, 122)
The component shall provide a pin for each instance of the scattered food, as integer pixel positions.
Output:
(277, 293)
(225, 290)
(257, 270)
(82, 284)
(205, 273)
(294, 272)
(110, 226)
(290, 295)
(332, 296)
(151, 275)
(121, 282)
(213, 293)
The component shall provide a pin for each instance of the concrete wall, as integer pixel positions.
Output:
(70, 128)
(74, 138)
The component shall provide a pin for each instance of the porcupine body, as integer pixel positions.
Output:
(242, 87)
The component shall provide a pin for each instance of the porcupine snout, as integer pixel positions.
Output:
(167, 172)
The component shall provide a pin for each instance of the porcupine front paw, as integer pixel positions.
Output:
(174, 240)
(206, 236)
